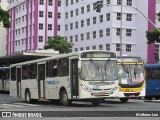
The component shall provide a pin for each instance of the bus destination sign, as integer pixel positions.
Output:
(131, 59)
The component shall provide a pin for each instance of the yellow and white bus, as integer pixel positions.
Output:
(85, 75)
(131, 77)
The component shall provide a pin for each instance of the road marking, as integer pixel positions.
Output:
(16, 105)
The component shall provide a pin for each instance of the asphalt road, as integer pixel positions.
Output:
(110, 109)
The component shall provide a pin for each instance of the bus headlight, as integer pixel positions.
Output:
(84, 87)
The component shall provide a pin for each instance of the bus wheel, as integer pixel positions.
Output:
(27, 97)
(96, 102)
(64, 98)
(156, 97)
(148, 97)
(124, 100)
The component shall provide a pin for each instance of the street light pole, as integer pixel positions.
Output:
(121, 31)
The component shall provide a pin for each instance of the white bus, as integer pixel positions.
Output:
(86, 75)
(4, 79)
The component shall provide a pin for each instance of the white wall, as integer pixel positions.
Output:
(3, 31)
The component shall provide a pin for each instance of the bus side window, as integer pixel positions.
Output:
(63, 67)
(25, 72)
(158, 73)
(13, 73)
(33, 71)
(52, 68)
(154, 73)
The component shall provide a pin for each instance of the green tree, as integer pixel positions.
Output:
(153, 35)
(59, 43)
(4, 18)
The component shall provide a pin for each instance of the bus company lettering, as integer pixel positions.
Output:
(52, 82)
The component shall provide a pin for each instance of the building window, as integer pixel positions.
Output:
(119, 16)
(59, 27)
(76, 38)
(108, 2)
(71, 2)
(88, 35)
(59, 3)
(76, 24)
(108, 47)
(82, 23)
(71, 13)
(87, 48)
(49, 14)
(108, 32)
(128, 48)
(101, 18)
(41, 2)
(40, 38)
(119, 2)
(94, 6)
(49, 26)
(100, 47)
(76, 49)
(100, 33)
(82, 10)
(40, 13)
(66, 14)
(88, 21)
(157, 48)
(76, 12)
(71, 26)
(117, 47)
(128, 32)
(94, 47)
(108, 17)
(81, 49)
(59, 15)
(94, 34)
(88, 8)
(66, 27)
(82, 37)
(50, 2)
(40, 26)
(129, 17)
(118, 33)
(129, 2)
(71, 38)
(94, 20)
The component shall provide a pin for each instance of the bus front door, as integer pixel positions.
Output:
(74, 78)
(19, 82)
(41, 80)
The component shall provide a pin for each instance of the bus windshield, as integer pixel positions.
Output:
(130, 73)
(98, 70)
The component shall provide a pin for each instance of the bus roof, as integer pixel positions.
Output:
(78, 53)
(152, 65)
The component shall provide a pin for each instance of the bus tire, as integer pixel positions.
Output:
(148, 97)
(156, 97)
(96, 102)
(64, 98)
(124, 100)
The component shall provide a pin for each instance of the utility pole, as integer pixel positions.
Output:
(121, 30)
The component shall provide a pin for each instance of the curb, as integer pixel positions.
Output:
(156, 101)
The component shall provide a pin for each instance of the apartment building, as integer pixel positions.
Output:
(3, 32)
(34, 21)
